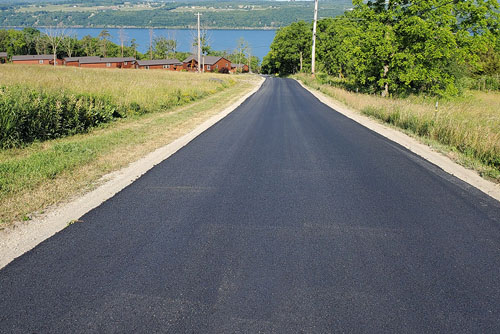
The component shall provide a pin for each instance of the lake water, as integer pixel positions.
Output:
(220, 40)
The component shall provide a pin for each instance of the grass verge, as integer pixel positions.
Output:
(44, 174)
(467, 129)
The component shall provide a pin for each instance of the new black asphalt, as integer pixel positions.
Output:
(285, 217)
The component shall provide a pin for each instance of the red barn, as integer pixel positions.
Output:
(209, 63)
(126, 62)
(36, 60)
(3, 57)
(75, 61)
(167, 64)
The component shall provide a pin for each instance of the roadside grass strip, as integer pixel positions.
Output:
(466, 129)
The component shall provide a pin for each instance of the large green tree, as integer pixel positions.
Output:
(396, 46)
(290, 49)
(164, 47)
(416, 45)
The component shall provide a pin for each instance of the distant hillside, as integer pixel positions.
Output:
(113, 13)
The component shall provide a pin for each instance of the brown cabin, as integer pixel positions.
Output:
(166, 64)
(209, 63)
(3, 57)
(242, 68)
(36, 60)
(75, 61)
(126, 62)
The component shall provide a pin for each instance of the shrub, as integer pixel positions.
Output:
(223, 70)
(29, 114)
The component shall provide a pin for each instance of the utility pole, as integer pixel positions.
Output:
(199, 43)
(313, 60)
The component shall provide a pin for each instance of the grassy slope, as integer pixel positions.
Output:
(467, 129)
(152, 90)
(43, 174)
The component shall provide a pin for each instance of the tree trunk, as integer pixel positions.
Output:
(385, 93)
(55, 52)
(301, 60)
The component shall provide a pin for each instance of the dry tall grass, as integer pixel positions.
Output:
(151, 90)
(469, 125)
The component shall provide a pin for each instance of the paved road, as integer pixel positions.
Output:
(285, 217)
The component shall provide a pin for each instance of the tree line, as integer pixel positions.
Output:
(31, 41)
(397, 46)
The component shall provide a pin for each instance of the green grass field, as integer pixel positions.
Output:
(466, 128)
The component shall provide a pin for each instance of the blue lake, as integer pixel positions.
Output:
(220, 40)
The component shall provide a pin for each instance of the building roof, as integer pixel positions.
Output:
(209, 60)
(33, 57)
(3, 54)
(159, 62)
(106, 60)
(67, 59)
(233, 65)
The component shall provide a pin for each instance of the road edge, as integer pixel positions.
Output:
(20, 239)
(449, 166)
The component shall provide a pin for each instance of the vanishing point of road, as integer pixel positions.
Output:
(285, 217)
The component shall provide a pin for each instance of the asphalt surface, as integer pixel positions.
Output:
(285, 217)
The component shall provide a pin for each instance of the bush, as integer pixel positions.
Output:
(483, 83)
(28, 114)
(223, 70)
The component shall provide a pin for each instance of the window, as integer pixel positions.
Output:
(216, 67)
(108, 64)
(147, 67)
(208, 67)
(166, 66)
(40, 61)
(125, 63)
(227, 65)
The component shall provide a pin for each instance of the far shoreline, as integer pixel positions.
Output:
(140, 27)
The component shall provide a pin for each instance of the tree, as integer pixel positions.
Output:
(291, 45)
(413, 45)
(30, 36)
(90, 45)
(204, 41)
(104, 36)
(241, 48)
(55, 37)
(123, 38)
(164, 47)
(133, 45)
(69, 44)
(15, 42)
(41, 45)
